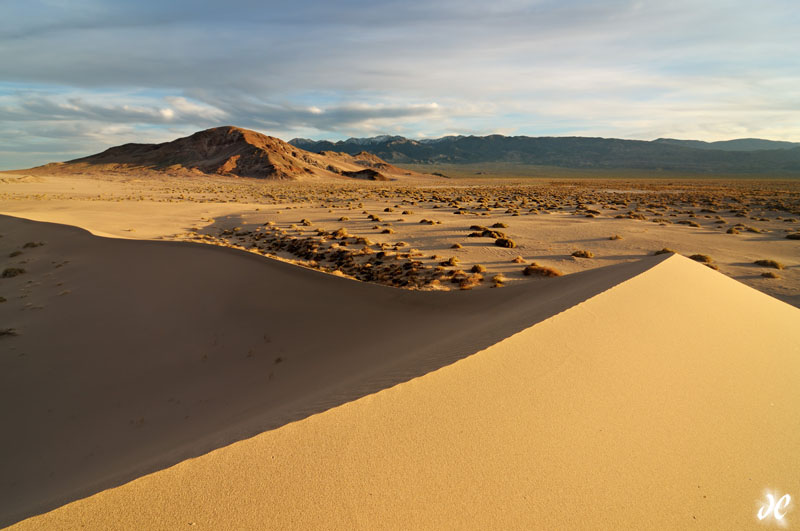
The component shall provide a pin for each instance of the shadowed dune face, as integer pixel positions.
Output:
(132, 356)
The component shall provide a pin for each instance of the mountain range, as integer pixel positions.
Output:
(233, 151)
(755, 156)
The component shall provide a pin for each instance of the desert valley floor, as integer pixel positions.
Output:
(229, 353)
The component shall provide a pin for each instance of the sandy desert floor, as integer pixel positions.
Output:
(154, 381)
(433, 237)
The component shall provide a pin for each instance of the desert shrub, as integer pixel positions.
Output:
(12, 272)
(407, 212)
(388, 209)
(702, 258)
(665, 250)
(770, 274)
(518, 260)
(305, 222)
(541, 271)
(498, 281)
(470, 281)
(451, 262)
(499, 225)
(505, 242)
(387, 231)
(479, 228)
(478, 268)
(583, 254)
(615, 237)
(769, 263)
(344, 218)
(456, 246)
(732, 230)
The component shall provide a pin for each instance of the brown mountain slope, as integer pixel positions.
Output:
(233, 151)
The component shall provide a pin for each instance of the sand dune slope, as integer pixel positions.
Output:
(666, 402)
(132, 355)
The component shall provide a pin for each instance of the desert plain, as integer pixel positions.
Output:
(186, 350)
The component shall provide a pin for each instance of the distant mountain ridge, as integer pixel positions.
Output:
(732, 156)
(233, 151)
(739, 144)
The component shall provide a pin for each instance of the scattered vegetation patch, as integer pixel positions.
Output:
(665, 250)
(770, 274)
(702, 258)
(478, 268)
(12, 272)
(583, 254)
(535, 269)
(505, 242)
(769, 263)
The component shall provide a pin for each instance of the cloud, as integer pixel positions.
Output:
(334, 69)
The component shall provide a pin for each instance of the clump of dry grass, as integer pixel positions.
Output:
(665, 250)
(499, 225)
(451, 262)
(583, 254)
(518, 260)
(12, 272)
(505, 242)
(456, 246)
(498, 281)
(470, 281)
(770, 274)
(769, 263)
(344, 218)
(615, 237)
(478, 268)
(732, 230)
(535, 269)
(702, 258)
(387, 231)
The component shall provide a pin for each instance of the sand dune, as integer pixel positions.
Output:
(667, 401)
(134, 355)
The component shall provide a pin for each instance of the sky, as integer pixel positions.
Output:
(79, 76)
